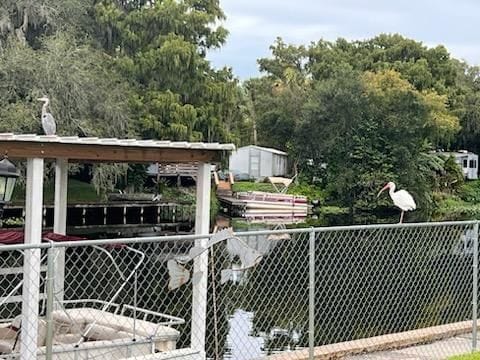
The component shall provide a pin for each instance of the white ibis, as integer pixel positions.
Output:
(401, 198)
(48, 121)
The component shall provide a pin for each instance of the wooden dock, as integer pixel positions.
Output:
(231, 205)
(125, 217)
(240, 205)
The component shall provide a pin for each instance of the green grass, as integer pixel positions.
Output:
(470, 191)
(82, 192)
(332, 210)
(474, 356)
(464, 205)
(312, 192)
(252, 186)
(454, 208)
(78, 192)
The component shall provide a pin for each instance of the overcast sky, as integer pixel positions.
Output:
(254, 25)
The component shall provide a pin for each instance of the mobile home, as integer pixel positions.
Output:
(468, 162)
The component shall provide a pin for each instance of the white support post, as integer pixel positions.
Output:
(31, 263)
(202, 226)
(60, 223)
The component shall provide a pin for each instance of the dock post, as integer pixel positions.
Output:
(60, 224)
(311, 295)
(475, 287)
(200, 265)
(31, 262)
(50, 283)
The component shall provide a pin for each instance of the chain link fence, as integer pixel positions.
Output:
(360, 292)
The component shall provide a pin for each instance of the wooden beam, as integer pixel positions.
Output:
(106, 153)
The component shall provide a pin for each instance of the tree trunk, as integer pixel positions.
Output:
(21, 32)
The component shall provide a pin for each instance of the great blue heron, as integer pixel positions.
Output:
(48, 121)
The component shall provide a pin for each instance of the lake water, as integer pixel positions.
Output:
(241, 345)
(265, 310)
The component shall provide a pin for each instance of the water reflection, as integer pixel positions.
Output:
(241, 345)
(252, 331)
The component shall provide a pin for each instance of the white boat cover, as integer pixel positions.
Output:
(85, 316)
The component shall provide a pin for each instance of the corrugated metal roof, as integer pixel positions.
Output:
(275, 151)
(456, 153)
(163, 144)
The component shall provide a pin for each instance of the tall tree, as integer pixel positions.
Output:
(277, 99)
(28, 20)
(369, 128)
(369, 110)
(160, 47)
(465, 97)
(87, 97)
(117, 68)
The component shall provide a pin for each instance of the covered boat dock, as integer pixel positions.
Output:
(64, 150)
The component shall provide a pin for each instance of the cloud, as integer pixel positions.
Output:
(470, 52)
(254, 25)
(257, 27)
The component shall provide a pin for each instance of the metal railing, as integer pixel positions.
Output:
(357, 292)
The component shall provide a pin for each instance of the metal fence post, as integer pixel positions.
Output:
(311, 295)
(50, 293)
(475, 287)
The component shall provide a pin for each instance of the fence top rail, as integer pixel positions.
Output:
(186, 238)
(360, 227)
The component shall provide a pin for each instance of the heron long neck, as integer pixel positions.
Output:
(44, 107)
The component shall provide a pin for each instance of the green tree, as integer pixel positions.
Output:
(28, 20)
(160, 48)
(429, 70)
(371, 110)
(87, 97)
(466, 99)
(117, 69)
(425, 68)
(278, 98)
(87, 94)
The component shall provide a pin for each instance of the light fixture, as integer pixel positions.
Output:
(8, 177)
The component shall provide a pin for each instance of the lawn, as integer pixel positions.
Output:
(78, 192)
(474, 356)
(82, 192)
(463, 205)
(252, 186)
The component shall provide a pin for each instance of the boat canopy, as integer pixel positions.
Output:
(12, 237)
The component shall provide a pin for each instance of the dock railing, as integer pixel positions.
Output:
(305, 293)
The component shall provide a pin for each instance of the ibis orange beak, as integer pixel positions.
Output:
(383, 189)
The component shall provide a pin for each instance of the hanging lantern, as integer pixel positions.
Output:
(8, 177)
